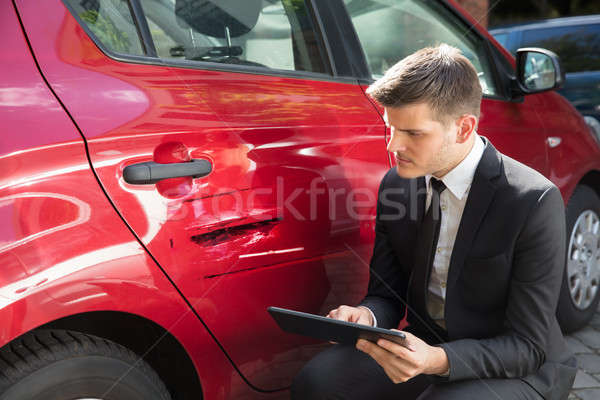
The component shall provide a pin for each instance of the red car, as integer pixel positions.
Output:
(171, 168)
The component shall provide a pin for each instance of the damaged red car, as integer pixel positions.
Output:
(171, 168)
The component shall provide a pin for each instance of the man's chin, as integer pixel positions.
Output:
(408, 173)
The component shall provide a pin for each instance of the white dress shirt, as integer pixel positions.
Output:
(452, 203)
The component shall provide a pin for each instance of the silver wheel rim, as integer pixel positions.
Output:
(583, 267)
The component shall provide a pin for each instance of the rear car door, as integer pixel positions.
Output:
(272, 157)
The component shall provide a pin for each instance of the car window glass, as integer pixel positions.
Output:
(390, 30)
(111, 22)
(577, 46)
(262, 33)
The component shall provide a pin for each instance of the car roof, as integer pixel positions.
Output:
(548, 23)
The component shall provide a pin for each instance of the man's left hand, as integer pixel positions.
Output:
(403, 362)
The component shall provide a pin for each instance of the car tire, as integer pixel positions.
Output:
(580, 293)
(59, 364)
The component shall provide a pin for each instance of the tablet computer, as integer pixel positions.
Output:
(330, 329)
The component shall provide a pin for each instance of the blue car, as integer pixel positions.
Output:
(576, 40)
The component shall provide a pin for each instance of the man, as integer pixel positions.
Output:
(469, 243)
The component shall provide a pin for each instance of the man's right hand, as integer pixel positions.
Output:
(359, 315)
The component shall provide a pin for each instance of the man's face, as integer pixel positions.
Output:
(420, 144)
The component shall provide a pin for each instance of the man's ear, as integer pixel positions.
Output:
(466, 126)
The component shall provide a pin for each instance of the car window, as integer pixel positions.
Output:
(111, 22)
(577, 46)
(390, 30)
(262, 33)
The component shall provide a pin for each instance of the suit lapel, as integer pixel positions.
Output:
(480, 196)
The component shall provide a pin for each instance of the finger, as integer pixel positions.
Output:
(362, 317)
(409, 342)
(343, 315)
(338, 314)
(381, 355)
(396, 368)
(395, 348)
(359, 318)
(367, 347)
(363, 321)
(351, 314)
(409, 336)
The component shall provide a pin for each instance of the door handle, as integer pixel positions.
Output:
(150, 172)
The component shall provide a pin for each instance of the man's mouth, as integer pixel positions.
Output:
(401, 159)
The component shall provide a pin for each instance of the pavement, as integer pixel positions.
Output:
(586, 346)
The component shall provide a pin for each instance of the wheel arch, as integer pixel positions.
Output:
(159, 347)
(591, 179)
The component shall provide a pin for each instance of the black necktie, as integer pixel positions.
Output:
(429, 232)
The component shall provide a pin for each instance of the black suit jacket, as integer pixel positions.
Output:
(503, 282)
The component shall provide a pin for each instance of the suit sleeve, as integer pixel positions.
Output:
(386, 292)
(537, 270)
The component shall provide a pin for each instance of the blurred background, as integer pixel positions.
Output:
(492, 13)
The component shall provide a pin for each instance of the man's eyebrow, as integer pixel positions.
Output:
(387, 123)
(409, 130)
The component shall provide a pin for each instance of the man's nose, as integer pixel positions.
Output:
(396, 144)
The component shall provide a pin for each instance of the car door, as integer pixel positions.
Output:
(390, 30)
(271, 158)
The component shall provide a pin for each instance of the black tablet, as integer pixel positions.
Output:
(330, 329)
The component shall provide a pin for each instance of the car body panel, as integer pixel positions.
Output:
(578, 151)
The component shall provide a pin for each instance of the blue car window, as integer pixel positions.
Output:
(577, 46)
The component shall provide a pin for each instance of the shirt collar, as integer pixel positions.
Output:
(458, 180)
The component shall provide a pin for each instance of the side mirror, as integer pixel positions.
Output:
(538, 70)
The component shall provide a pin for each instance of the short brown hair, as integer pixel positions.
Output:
(440, 76)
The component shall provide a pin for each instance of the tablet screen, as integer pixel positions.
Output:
(326, 328)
